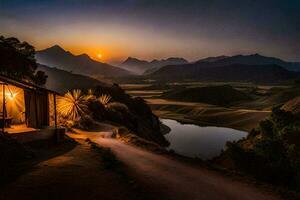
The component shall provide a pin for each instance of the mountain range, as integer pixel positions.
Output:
(139, 67)
(56, 56)
(252, 68)
(254, 59)
(212, 59)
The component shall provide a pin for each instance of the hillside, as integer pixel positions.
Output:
(135, 65)
(82, 64)
(62, 81)
(141, 66)
(217, 95)
(204, 71)
(254, 59)
(278, 96)
(293, 105)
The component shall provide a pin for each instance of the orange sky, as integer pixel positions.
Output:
(156, 29)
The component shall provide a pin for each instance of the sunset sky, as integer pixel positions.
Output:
(148, 29)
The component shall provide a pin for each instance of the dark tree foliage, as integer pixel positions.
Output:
(17, 61)
(272, 152)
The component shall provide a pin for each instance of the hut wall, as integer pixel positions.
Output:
(37, 109)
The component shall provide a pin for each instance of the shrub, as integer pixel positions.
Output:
(272, 153)
(72, 105)
(118, 107)
(85, 123)
(97, 110)
(104, 99)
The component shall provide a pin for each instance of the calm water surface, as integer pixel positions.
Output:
(197, 141)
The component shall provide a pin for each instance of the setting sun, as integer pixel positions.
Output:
(99, 55)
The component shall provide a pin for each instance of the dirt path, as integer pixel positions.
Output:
(76, 173)
(172, 179)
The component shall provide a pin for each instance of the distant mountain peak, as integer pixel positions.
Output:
(84, 55)
(212, 59)
(140, 66)
(56, 48)
(132, 60)
(176, 59)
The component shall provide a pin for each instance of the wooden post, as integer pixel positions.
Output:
(55, 113)
(36, 110)
(3, 107)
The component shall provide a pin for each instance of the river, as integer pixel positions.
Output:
(203, 142)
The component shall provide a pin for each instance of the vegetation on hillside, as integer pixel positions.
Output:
(17, 61)
(293, 105)
(83, 108)
(271, 152)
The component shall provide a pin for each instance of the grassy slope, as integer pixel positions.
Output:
(213, 116)
(293, 105)
(274, 97)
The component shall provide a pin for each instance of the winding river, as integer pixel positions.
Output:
(197, 141)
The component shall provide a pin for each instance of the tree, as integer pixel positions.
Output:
(17, 61)
(40, 78)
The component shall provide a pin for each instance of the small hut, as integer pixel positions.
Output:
(24, 104)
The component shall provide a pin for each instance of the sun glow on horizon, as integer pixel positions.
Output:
(99, 55)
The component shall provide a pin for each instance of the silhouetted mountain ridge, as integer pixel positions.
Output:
(141, 66)
(252, 68)
(56, 56)
(212, 59)
(254, 59)
(234, 72)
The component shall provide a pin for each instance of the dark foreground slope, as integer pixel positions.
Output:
(133, 113)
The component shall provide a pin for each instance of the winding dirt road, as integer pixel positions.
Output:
(171, 179)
